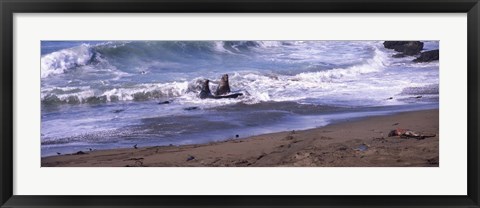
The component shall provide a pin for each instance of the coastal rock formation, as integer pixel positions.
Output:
(428, 56)
(399, 55)
(224, 86)
(404, 47)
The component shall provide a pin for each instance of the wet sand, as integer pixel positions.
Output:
(354, 143)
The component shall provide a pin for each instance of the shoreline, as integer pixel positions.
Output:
(356, 142)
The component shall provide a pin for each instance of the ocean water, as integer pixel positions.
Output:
(106, 94)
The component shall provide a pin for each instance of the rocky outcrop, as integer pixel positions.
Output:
(428, 56)
(404, 47)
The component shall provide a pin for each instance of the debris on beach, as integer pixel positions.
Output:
(380, 139)
(261, 155)
(135, 146)
(242, 163)
(134, 158)
(190, 158)
(406, 133)
(342, 148)
(139, 163)
(80, 153)
(361, 148)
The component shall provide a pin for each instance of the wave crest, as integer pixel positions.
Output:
(256, 86)
(60, 61)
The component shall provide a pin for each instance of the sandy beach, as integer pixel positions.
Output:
(354, 143)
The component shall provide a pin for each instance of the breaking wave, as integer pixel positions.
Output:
(60, 61)
(123, 55)
(257, 87)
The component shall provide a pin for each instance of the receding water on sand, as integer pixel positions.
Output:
(206, 126)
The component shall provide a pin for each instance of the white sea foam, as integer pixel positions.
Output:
(366, 81)
(257, 87)
(136, 92)
(220, 47)
(148, 91)
(377, 63)
(270, 44)
(60, 61)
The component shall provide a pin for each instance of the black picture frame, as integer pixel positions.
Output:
(9, 7)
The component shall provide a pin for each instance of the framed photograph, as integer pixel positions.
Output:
(239, 104)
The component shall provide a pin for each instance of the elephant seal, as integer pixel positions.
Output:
(205, 93)
(224, 86)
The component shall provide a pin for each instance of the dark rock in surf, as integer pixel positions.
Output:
(118, 111)
(224, 86)
(428, 56)
(399, 55)
(405, 47)
(164, 102)
(191, 108)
